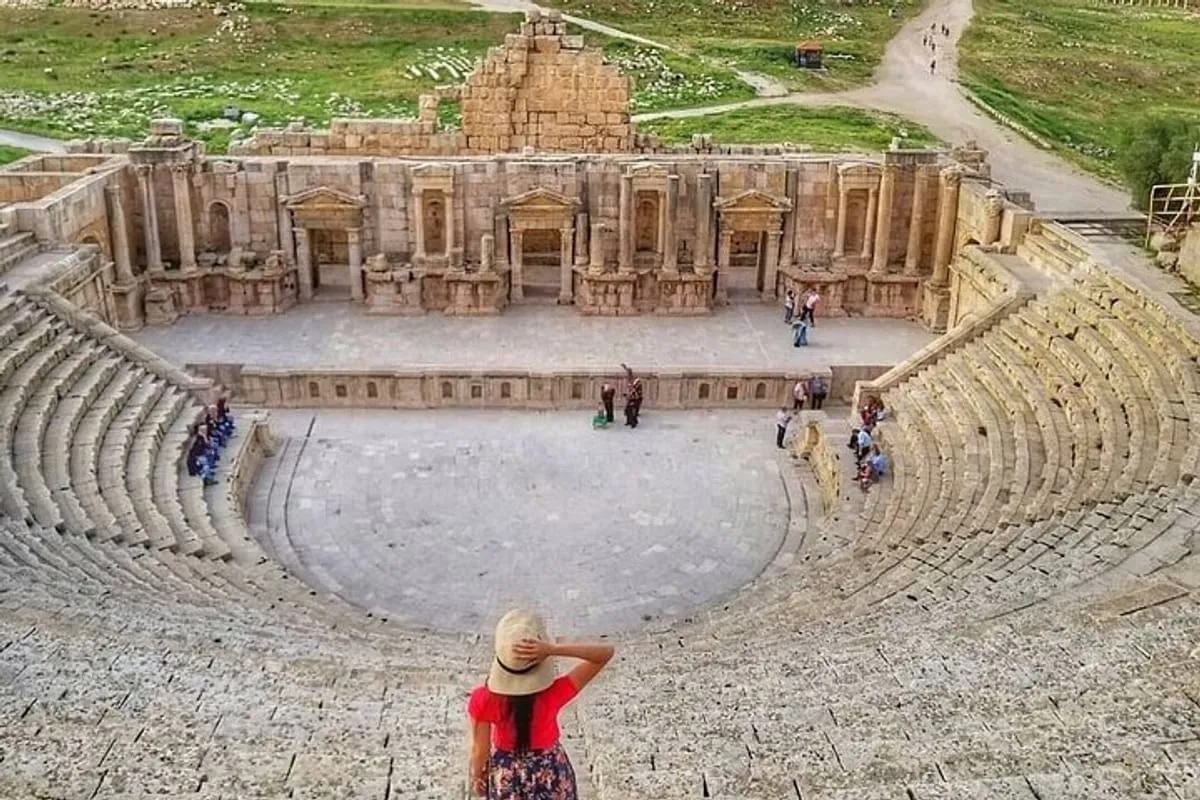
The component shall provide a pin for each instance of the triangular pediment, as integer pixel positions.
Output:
(858, 169)
(648, 170)
(324, 197)
(433, 170)
(540, 199)
(752, 200)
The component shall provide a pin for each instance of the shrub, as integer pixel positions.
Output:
(1157, 149)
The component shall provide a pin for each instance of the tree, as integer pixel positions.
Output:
(1157, 150)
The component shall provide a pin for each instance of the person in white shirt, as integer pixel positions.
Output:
(782, 420)
(811, 298)
(799, 395)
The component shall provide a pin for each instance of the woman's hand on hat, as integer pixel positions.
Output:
(533, 649)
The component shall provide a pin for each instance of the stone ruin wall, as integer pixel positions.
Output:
(542, 90)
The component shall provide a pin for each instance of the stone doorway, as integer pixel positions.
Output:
(541, 237)
(327, 224)
(541, 256)
(744, 276)
(646, 224)
(331, 263)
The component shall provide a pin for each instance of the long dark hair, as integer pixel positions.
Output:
(520, 713)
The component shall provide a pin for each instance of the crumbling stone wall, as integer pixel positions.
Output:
(544, 89)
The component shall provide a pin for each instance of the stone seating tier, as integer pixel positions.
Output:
(1098, 417)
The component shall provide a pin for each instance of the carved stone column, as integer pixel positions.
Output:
(516, 239)
(994, 216)
(287, 238)
(625, 226)
(949, 182)
(304, 266)
(596, 249)
(354, 251)
(182, 185)
(487, 253)
(883, 231)
(566, 276)
(771, 261)
(418, 222)
(145, 173)
(582, 230)
(869, 230)
(702, 261)
(451, 224)
(500, 234)
(670, 241)
(839, 243)
(916, 224)
(792, 189)
(119, 227)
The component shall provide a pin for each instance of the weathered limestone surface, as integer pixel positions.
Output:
(1009, 613)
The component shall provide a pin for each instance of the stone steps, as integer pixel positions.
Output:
(14, 248)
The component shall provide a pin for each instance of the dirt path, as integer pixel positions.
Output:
(903, 85)
(30, 142)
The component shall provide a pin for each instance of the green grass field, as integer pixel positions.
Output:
(822, 129)
(1077, 74)
(759, 35)
(9, 154)
(75, 72)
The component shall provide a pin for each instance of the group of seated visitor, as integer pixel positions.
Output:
(870, 461)
(207, 439)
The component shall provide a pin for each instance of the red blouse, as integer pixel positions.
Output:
(486, 706)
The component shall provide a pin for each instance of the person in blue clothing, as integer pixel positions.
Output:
(800, 332)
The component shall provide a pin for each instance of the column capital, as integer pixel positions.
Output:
(143, 170)
(113, 191)
(353, 233)
(994, 202)
(181, 170)
(952, 175)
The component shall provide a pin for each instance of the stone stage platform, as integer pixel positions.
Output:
(447, 518)
(340, 336)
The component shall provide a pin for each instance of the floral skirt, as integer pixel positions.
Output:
(532, 775)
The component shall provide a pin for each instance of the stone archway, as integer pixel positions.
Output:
(751, 225)
(540, 215)
(327, 223)
(219, 238)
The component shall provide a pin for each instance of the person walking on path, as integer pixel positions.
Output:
(817, 389)
(782, 420)
(789, 306)
(515, 749)
(932, 66)
(608, 394)
(811, 298)
(799, 395)
(800, 333)
(633, 397)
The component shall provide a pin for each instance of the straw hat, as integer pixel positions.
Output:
(510, 674)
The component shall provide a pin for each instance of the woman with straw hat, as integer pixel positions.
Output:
(515, 748)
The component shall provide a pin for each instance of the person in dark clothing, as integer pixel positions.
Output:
(633, 397)
(608, 394)
(817, 389)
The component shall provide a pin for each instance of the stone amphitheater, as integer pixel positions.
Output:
(1012, 615)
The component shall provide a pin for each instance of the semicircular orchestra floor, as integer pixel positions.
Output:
(445, 518)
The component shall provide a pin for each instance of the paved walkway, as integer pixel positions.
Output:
(448, 518)
(529, 337)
